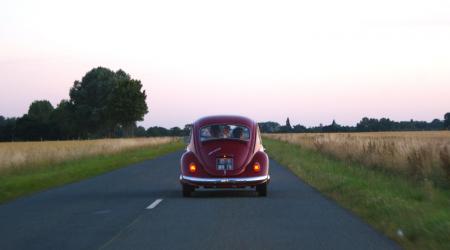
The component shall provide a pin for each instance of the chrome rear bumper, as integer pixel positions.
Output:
(224, 180)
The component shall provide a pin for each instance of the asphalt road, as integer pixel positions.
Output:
(113, 211)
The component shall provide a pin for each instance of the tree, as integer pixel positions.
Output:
(269, 127)
(90, 99)
(126, 102)
(288, 124)
(334, 127)
(368, 125)
(35, 125)
(187, 129)
(157, 131)
(385, 124)
(299, 129)
(104, 100)
(40, 110)
(436, 124)
(140, 131)
(176, 131)
(63, 120)
(447, 120)
(2, 126)
(7, 128)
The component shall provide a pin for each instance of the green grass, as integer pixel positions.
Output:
(29, 180)
(388, 202)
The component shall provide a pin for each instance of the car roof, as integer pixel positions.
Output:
(224, 119)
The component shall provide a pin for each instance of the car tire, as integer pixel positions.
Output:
(187, 190)
(262, 189)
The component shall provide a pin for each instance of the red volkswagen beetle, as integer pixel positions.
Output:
(224, 152)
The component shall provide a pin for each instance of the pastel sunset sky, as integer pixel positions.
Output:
(313, 61)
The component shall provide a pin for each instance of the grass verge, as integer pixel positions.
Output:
(22, 182)
(415, 214)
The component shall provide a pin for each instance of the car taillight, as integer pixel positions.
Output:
(192, 167)
(256, 167)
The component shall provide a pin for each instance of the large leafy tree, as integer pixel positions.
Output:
(104, 100)
(90, 99)
(126, 102)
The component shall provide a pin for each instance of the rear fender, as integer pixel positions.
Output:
(263, 160)
(187, 158)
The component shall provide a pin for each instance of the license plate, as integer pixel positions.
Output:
(224, 163)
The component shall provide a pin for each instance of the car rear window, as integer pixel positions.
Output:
(224, 131)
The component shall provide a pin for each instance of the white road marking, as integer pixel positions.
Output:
(154, 204)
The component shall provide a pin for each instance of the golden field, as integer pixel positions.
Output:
(23, 154)
(419, 154)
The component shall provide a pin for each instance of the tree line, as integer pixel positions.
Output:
(108, 104)
(103, 104)
(365, 125)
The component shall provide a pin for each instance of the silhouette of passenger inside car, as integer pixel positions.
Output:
(226, 131)
(214, 131)
(238, 133)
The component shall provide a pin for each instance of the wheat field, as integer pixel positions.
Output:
(418, 154)
(29, 154)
